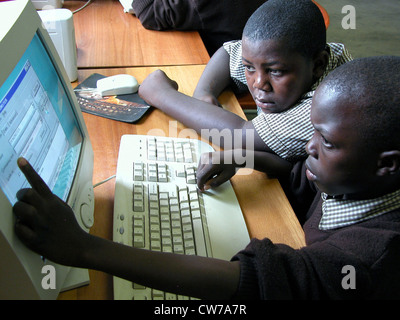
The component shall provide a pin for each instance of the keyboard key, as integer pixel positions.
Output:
(191, 179)
(183, 195)
(138, 232)
(138, 205)
(152, 176)
(164, 195)
(156, 245)
(181, 173)
(174, 208)
(138, 172)
(138, 286)
(170, 296)
(199, 238)
(157, 295)
(162, 177)
(138, 241)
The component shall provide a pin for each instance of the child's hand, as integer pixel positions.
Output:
(155, 86)
(209, 99)
(212, 171)
(45, 223)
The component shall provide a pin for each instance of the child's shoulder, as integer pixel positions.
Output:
(338, 55)
(233, 47)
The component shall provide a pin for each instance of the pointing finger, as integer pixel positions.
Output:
(33, 178)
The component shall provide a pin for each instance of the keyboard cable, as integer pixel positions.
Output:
(104, 181)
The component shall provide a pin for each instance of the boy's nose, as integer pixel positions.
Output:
(311, 148)
(262, 82)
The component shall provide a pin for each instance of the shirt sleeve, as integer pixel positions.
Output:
(278, 272)
(237, 70)
(271, 271)
(338, 55)
(168, 14)
(288, 132)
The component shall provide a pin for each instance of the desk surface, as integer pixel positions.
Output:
(106, 36)
(264, 205)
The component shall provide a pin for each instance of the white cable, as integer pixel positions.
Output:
(83, 7)
(104, 181)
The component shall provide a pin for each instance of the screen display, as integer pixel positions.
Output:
(37, 122)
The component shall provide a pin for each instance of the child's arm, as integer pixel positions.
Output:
(161, 92)
(167, 15)
(48, 226)
(215, 78)
(217, 167)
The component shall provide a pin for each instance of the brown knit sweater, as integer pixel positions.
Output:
(217, 21)
(365, 255)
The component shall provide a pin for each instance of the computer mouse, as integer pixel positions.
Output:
(117, 85)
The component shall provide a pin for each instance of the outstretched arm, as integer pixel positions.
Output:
(161, 92)
(48, 226)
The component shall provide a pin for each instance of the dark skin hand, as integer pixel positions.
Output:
(217, 167)
(47, 225)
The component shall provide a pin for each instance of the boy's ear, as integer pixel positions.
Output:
(320, 63)
(389, 163)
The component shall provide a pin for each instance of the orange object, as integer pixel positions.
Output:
(324, 14)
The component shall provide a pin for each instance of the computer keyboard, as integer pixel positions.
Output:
(158, 207)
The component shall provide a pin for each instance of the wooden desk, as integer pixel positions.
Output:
(264, 205)
(106, 36)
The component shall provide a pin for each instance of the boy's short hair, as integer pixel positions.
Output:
(371, 85)
(297, 22)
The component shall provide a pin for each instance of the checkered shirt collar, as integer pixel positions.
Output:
(337, 213)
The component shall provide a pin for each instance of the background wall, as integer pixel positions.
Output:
(377, 26)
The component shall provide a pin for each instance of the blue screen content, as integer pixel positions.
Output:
(37, 122)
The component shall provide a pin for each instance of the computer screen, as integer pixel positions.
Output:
(40, 120)
(37, 124)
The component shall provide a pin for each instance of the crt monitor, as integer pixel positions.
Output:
(40, 119)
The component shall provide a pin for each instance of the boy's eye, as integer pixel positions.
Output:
(326, 143)
(249, 68)
(276, 72)
(273, 72)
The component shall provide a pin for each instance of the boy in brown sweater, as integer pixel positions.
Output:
(348, 190)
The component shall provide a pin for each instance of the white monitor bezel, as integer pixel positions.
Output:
(20, 273)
